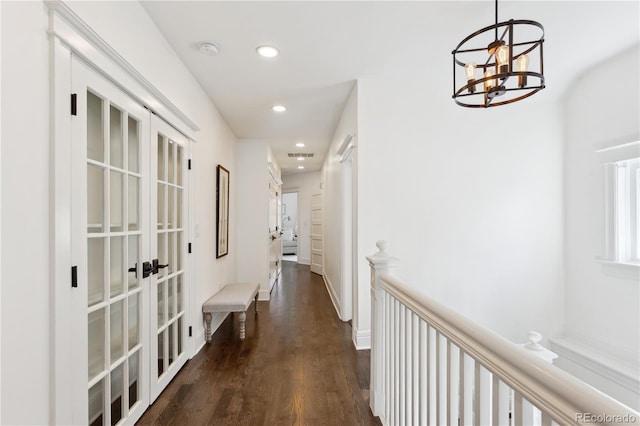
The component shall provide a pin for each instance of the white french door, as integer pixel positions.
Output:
(129, 198)
(168, 324)
(110, 221)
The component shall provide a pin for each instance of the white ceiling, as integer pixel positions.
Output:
(326, 45)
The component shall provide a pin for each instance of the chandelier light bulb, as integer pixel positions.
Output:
(522, 64)
(491, 83)
(502, 58)
(470, 70)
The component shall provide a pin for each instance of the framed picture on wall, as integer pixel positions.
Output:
(222, 208)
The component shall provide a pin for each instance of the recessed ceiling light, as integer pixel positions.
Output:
(279, 108)
(301, 167)
(300, 145)
(267, 51)
(209, 49)
(300, 158)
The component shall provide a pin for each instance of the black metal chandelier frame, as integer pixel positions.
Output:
(497, 85)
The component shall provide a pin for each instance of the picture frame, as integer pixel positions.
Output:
(222, 209)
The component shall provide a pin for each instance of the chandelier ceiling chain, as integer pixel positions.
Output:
(495, 54)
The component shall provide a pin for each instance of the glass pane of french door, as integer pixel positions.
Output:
(168, 243)
(110, 131)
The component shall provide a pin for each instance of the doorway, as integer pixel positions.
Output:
(289, 227)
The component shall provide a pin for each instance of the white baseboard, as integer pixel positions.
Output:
(304, 260)
(362, 339)
(200, 342)
(612, 376)
(332, 295)
(264, 295)
(618, 372)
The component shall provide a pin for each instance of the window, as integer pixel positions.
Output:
(621, 166)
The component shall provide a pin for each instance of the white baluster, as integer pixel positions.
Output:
(454, 392)
(461, 390)
(424, 383)
(387, 360)
(402, 366)
(476, 393)
(431, 376)
(415, 367)
(396, 370)
(495, 400)
(408, 350)
(485, 396)
(448, 384)
(438, 389)
(517, 408)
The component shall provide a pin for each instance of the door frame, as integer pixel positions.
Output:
(295, 191)
(320, 268)
(70, 35)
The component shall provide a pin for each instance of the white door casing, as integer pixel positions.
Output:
(317, 264)
(274, 243)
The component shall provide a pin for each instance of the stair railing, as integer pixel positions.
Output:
(432, 366)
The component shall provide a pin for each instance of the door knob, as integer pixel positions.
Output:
(156, 266)
(134, 270)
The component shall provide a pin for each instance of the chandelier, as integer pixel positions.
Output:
(499, 64)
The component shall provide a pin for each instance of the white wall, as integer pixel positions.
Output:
(252, 210)
(335, 256)
(602, 303)
(25, 219)
(306, 184)
(469, 200)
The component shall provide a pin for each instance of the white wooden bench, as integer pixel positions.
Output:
(235, 297)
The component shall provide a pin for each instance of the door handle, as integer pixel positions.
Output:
(156, 266)
(134, 270)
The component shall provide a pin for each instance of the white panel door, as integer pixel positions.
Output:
(110, 218)
(168, 247)
(316, 234)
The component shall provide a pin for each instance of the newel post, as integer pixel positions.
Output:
(381, 264)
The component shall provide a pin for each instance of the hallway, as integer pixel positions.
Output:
(297, 366)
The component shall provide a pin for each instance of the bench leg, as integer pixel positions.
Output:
(207, 330)
(256, 303)
(243, 320)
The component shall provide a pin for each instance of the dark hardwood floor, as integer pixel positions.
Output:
(297, 366)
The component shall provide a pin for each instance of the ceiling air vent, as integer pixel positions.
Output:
(300, 154)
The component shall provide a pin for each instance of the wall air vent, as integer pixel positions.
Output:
(300, 154)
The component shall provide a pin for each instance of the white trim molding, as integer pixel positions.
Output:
(80, 38)
(332, 295)
(618, 372)
(362, 339)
